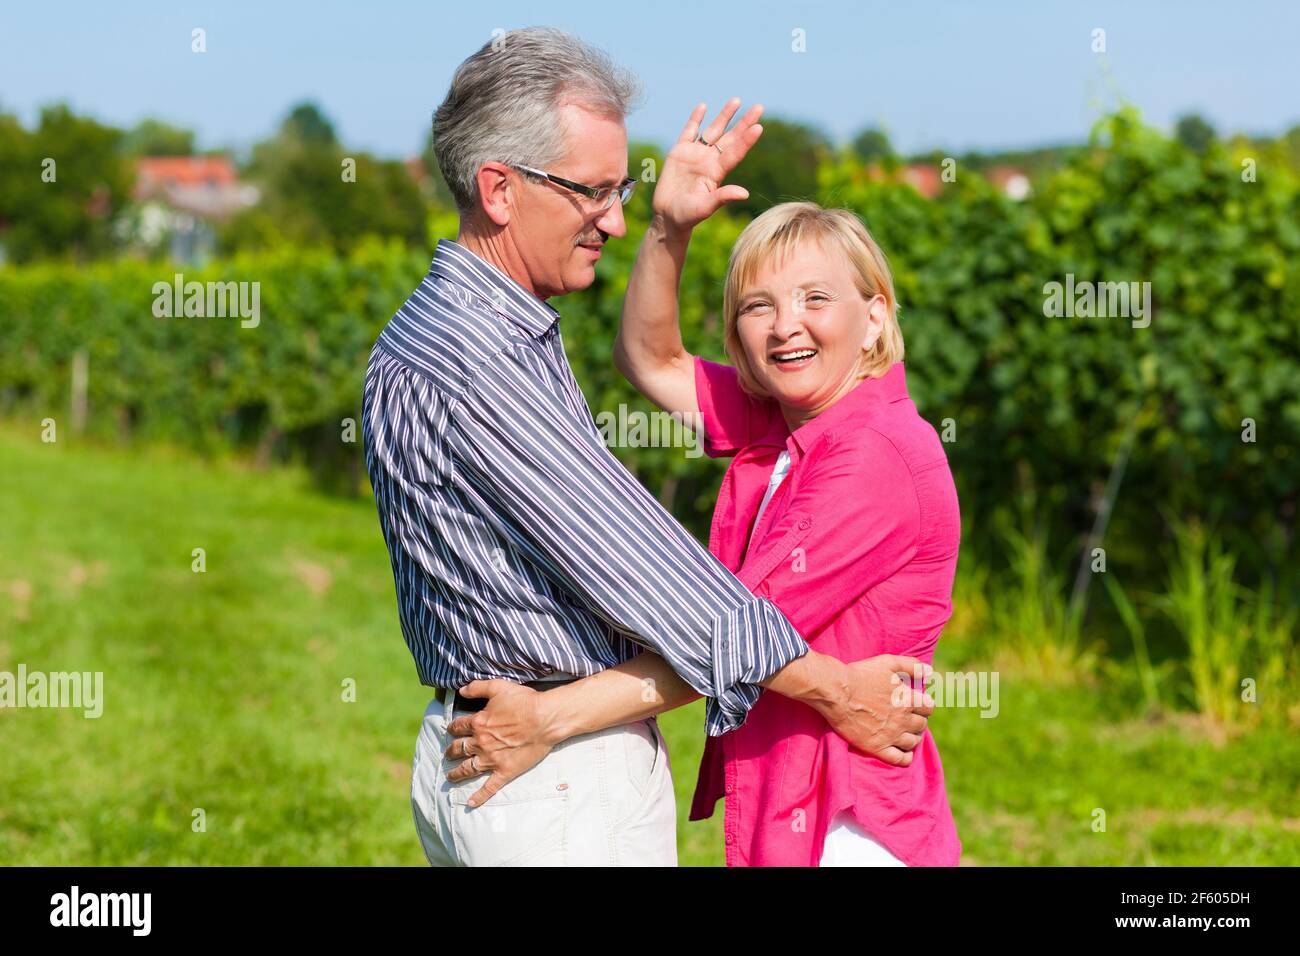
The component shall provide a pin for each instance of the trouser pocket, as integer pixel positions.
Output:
(525, 822)
(645, 763)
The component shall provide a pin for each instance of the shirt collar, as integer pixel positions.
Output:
(455, 263)
(887, 388)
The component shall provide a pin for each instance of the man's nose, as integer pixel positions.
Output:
(611, 221)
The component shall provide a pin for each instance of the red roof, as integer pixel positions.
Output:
(186, 170)
(923, 177)
(205, 186)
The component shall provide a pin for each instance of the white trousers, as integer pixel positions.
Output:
(601, 799)
(847, 844)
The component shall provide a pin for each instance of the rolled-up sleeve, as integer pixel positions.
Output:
(555, 490)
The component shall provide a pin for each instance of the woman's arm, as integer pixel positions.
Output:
(648, 349)
(633, 690)
(520, 725)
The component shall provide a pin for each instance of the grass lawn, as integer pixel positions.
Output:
(223, 693)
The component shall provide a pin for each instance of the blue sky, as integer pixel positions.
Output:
(946, 75)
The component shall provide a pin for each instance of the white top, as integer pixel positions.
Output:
(779, 471)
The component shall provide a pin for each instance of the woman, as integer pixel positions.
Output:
(838, 505)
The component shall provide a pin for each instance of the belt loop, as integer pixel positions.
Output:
(450, 705)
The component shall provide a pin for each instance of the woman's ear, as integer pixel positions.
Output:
(877, 312)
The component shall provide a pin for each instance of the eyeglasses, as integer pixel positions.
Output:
(603, 195)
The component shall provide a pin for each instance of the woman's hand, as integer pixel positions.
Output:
(690, 187)
(509, 736)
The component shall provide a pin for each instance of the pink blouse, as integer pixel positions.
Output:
(858, 548)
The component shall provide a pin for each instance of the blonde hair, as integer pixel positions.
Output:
(775, 234)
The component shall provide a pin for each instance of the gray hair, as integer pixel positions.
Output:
(503, 101)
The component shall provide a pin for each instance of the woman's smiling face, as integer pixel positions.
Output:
(803, 325)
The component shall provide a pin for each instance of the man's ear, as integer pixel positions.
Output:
(877, 312)
(495, 192)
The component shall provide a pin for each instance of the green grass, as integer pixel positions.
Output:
(223, 691)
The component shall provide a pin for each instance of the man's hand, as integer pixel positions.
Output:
(881, 713)
(690, 187)
(509, 736)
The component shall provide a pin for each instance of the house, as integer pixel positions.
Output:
(924, 178)
(927, 179)
(181, 198)
(1013, 181)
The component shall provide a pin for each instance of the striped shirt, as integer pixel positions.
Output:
(520, 547)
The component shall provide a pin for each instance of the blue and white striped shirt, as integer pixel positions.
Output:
(521, 547)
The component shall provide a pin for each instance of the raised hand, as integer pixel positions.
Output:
(690, 187)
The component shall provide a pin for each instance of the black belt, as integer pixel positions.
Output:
(478, 703)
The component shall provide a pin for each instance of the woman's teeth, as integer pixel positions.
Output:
(795, 356)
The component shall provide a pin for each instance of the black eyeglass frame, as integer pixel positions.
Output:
(602, 194)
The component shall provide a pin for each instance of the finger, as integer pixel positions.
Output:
(713, 132)
(486, 688)
(914, 724)
(909, 696)
(461, 727)
(464, 768)
(726, 194)
(692, 127)
(736, 150)
(910, 666)
(922, 703)
(459, 749)
(488, 790)
(743, 125)
(908, 741)
(892, 755)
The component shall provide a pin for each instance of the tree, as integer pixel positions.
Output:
(1194, 132)
(316, 192)
(152, 137)
(781, 166)
(308, 125)
(60, 185)
(872, 146)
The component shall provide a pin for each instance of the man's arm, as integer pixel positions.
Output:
(558, 495)
(551, 489)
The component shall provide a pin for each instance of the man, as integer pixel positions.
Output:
(521, 548)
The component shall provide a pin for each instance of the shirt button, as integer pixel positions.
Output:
(729, 840)
(730, 788)
(805, 524)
